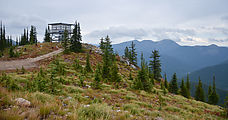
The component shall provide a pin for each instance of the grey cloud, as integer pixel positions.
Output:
(225, 18)
(218, 40)
(148, 19)
(153, 33)
(222, 30)
(175, 30)
(119, 32)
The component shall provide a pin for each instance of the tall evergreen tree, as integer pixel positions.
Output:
(1, 39)
(65, 41)
(213, 96)
(47, 37)
(166, 82)
(142, 81)
(24, 38)
(132, 55)
(76, 38)
(17, 41)
(97, 79)
(107, 57)
(183, 90)
(88, 66)
(126, 52)
(115, 77)
(188, 87)
(108, 45)
(106, 65)
(102, 44)
(33, 35)
(155, 65)
(209, 93)
(4, 42)
(162, 85)
(173, 87)
(199, 93)
(27, 37)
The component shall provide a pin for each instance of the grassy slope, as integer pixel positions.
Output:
(31, 51)
(108, 103)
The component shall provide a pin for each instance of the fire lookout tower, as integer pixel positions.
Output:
(56, 30)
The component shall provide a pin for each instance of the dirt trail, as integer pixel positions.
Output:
(26, 63)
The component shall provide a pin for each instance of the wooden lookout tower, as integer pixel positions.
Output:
(56, 30)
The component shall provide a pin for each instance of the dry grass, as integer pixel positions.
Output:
(108, 103)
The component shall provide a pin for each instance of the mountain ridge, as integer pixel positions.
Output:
(177, 58)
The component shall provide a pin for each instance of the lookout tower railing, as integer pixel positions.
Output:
(56, 30)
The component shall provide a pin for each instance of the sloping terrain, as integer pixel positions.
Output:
(26, 63)
(31, 51)
(203, 61)
(74, 99)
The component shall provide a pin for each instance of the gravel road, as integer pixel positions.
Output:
(26, 63)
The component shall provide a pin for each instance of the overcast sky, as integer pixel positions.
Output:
(188, 22)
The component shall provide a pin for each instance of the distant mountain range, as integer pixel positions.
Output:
(206, 75)
(176, 58)
(203, 61)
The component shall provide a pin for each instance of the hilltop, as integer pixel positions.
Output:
(71, 100)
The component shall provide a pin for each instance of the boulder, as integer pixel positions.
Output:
(22, 102)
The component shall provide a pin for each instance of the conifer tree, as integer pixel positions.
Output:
(47, 37)
(132, 54)
(152, 80)
(17, 42)
(65, 41)
(53, 82)
(88, 66)
(162, 85)
(142, 81)
(126, 52)
(183, 90)
(1, 39)
(11, 53)
(115, 77)
(76, 38)
(97, 79)
(151, 76)
(76, 64)
(107, 58)
(102, 44)
(155, 65)
(108, 45)
(106, 66)
(4, 41)
(188, 87)
(199, 93)
(173, 87)
(209, 93)
(226, 106)
(27, 37)
(166, 82)
(33, 36)
(213, 96)
(24, 38)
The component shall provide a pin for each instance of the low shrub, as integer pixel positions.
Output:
(45, 111)
(132, 108)
(94, 112)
